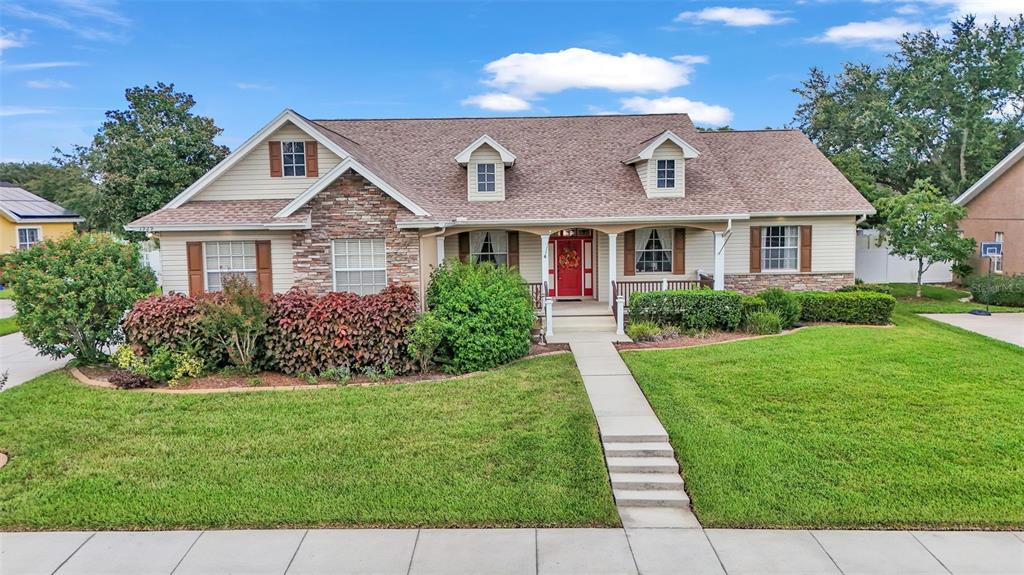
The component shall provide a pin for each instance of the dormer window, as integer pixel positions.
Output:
(293, 158)
(666, 173)
(485, 179)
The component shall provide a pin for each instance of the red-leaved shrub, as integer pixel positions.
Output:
(170, 321)
(309, 334)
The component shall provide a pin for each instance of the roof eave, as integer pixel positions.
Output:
(991, 176)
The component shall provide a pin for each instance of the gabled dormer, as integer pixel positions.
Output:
(485, 161)
(661, 165)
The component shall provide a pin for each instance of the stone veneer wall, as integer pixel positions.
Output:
(752, 283)
(352, 207)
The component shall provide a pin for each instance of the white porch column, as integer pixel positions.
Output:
(440, 250)
(612, 238)
(546, 301)
(719, 261)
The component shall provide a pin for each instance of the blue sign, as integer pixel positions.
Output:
(991, 249)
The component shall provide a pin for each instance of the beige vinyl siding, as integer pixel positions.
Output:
(174, 263)
(250, 179)
(699, 255)
(529, 254)
(666, 151)
(833, 243)
(486, 155)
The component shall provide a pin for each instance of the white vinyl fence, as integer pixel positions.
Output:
(150, 255)
(876, 265)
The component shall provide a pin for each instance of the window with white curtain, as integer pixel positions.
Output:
(489, 246)
(780, 248)
(359, 266)
(228, 258)
(653, 250)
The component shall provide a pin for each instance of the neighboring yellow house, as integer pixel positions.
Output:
(26, 219)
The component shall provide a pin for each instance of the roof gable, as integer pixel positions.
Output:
(992, 175)
(653, 144)
(507, 157)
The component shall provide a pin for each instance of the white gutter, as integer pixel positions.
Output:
(217, 227)
(565, 221)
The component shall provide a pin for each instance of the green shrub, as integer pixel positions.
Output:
(124, 379)
(864, 307)
(423, 339)
(783, 303)
(764, 323)
(643, 330)
(867, 287)
(487, 313)
(998, 290)
(164, 365)
(689, 309)
(71, 293)
(337, 374)
(751, 304)
(235, 322)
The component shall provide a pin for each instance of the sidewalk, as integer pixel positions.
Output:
(513, 551)
(21, 362)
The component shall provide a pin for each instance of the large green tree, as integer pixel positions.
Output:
(924, 226)
(144, 156)
(945, 107)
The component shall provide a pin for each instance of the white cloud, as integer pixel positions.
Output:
(741, 17)
(252, 86)
(6, 111)
(527, 75)
(90, 20)
(907, 9)
(871, 33)
(48, 84)
(37, 66)
(699, 112)
(497, 102)
(984, 9)
(11, 39)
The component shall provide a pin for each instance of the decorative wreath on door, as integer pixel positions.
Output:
(569, 259)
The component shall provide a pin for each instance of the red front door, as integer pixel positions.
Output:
(569, 266)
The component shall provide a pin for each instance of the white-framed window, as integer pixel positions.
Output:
(485, 177)
(222, 259)
(28, 237)
(293, 158)
(666, 173)
(359, 265)
(653, 250)
(780, 248)
(489, 246)
(997, 262)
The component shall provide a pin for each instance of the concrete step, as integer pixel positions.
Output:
(583, 323)
(638, 449)
(642, 465)
(649, 498)
(646, 481)
(627, 437)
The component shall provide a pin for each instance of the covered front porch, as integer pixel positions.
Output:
(591, 271)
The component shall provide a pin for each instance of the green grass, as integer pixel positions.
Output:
(8, 325)
(938, 299)
(514, 447)
(6, 294)
(918, 425)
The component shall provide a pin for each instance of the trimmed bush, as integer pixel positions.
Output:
(867, 287)
(690, 310)
(164, 365)
(487, 313)
(998, 290)
(424, 337)
(848, 307)
(785, 304)
(764, 323)
(643, 330)
(312, 334)
(751, 304)
(70, 293)
(171, 321)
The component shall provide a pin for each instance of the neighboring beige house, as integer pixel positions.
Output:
(995, 213)
(590, 205)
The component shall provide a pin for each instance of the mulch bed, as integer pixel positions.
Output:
(269, 379)
(684, 340)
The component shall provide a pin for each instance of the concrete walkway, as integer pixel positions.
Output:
(1008, 327)
(7, 308)
(21, 362)
(513, 552)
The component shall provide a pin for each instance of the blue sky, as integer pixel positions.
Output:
(64, 62)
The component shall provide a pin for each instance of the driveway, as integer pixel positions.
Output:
(6, 308)
(21, 362)
(1008, 327)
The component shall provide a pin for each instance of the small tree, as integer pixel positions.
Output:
(71, 293)
(922, 225)
(237, 322)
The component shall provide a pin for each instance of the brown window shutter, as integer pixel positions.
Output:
(194, 257)
(629, 253)
(264, 277)
(275, 159)
(805, 248)
(513, 249)
(312, 168)
(464, 246)
(679, 251)
(755, 249)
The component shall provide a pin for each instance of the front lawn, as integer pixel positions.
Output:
(917, 425)
(8, 325)
(514, 447)
(938, 299)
